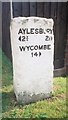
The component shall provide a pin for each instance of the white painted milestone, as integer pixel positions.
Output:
(32, 42)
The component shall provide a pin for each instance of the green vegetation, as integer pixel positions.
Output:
(54, 107)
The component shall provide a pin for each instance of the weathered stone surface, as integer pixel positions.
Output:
(32, 42)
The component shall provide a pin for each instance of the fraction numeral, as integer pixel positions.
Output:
(23, 38)
(36, 54)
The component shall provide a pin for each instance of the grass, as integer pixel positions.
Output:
(54, 107)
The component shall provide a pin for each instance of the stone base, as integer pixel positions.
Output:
(26, 98)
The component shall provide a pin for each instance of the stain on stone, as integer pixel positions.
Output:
(36, 20)
(24, 21)
(45, 22)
